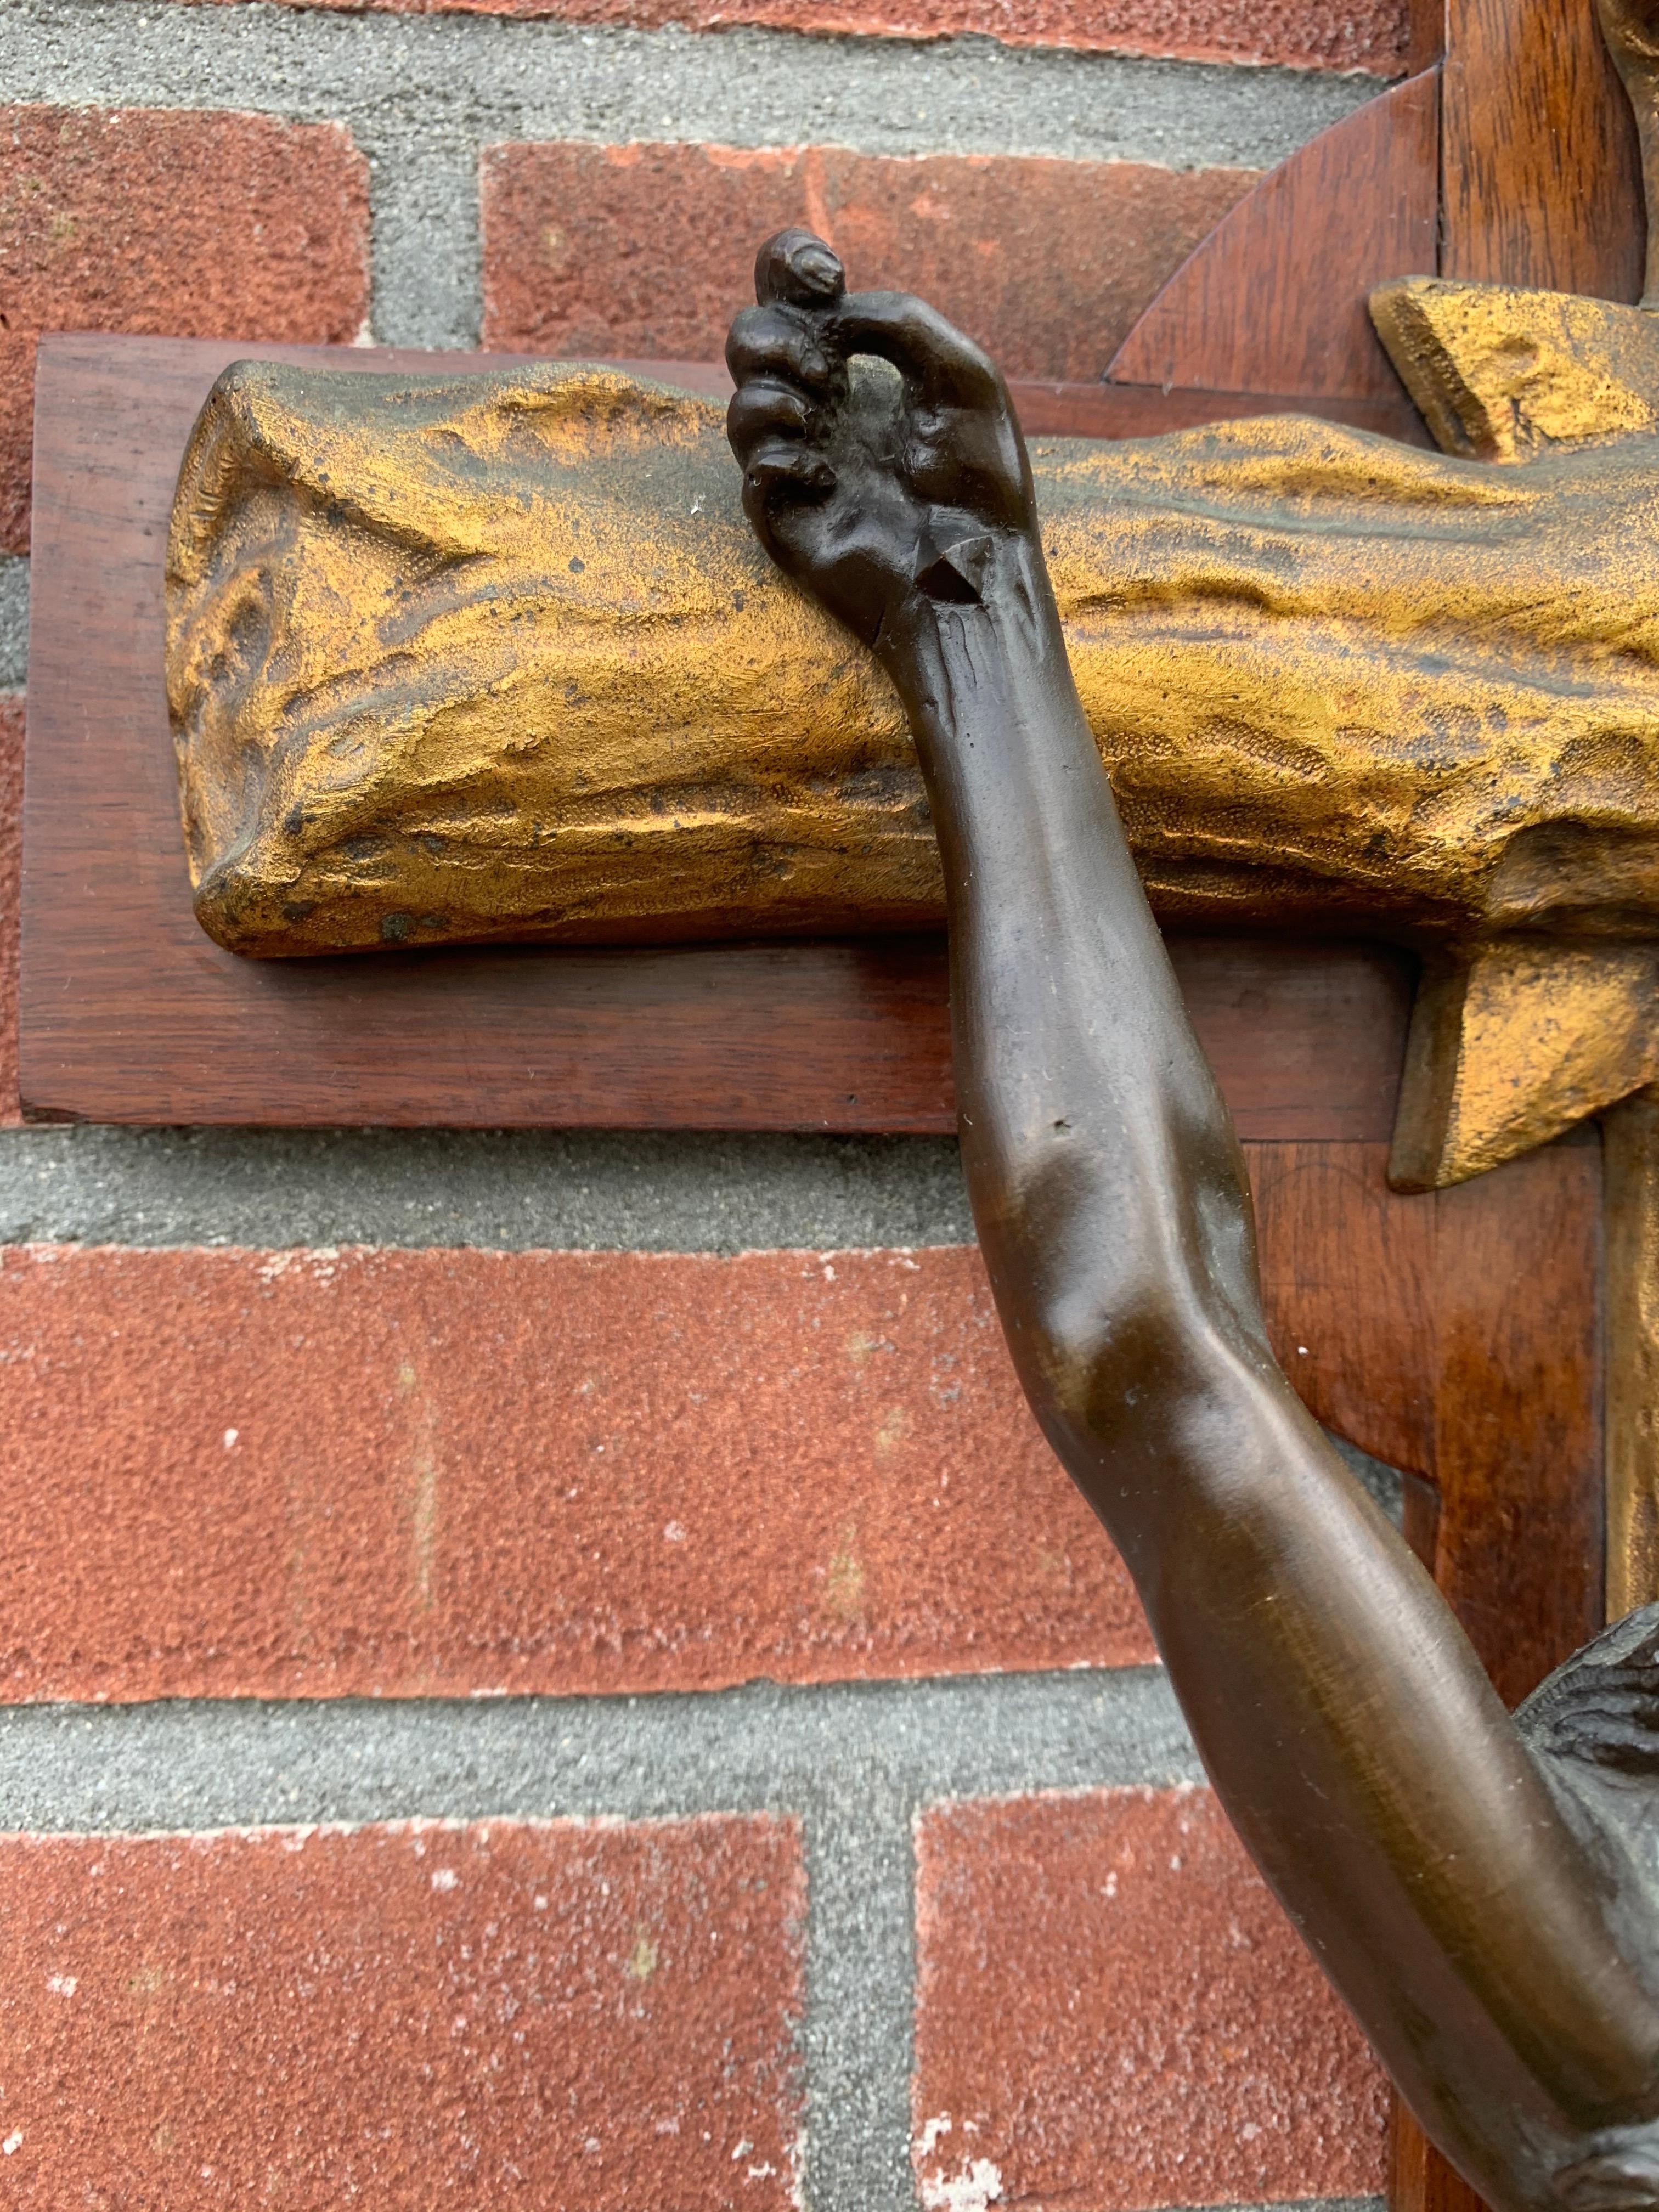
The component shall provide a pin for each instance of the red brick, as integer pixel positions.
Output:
(1112, 2011)
(648, 250)
(11, 826)
(436, 1473)
(192, 224)
(407, 2017)
(1375, 34)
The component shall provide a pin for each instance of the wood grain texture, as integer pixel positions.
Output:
(1427, 41)
(129, 1013)
(1273, 301)
(1518, 1459)
(1457, 1334)
(1629, 1137)
(1419, 2179)
(1542, 177)
(1347, 1279)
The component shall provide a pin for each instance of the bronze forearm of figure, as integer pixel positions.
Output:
(1480, 1891)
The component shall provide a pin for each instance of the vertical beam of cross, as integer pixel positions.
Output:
(1541, 175)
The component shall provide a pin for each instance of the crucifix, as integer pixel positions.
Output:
(1508, 142)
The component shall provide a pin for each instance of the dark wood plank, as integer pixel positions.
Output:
(1419, 2179)
(128, 1013)
(1542, 178)
(1518, 1457)
(1458, 1335)
(1273, 299)
(1427, 42)
(1630, 1139)
(1348, 1281)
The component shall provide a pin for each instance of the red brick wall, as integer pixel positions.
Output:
(200, 226)
(640, 249)
(566, 1471)
(221, 225)
(420, 2014)
(1296, 33)
(1219, 2070)
(640, 1485)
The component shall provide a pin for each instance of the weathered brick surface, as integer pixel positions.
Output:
(405, 2017)
(1112, 2012)
(448, 1472)
(647, 250)
(192, 224)
(1297, 33)
(11, 825)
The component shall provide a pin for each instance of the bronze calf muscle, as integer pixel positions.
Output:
(1486, 1904)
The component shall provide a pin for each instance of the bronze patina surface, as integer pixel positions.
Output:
(494, 657)
(1484, 1891)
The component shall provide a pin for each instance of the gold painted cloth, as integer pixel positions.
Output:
(497, 657)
